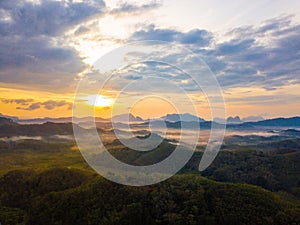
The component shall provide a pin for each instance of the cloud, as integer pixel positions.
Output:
(198, 37)
(33, 47)
(234, 47)
(17, 101)
(48, 17)
(275, 99)
(54, 104)
(146, 77)
(36, 61)
(49, 105)
(126, 8)
(133, 77)
(81, 30)
(265, 55)
(30, 105)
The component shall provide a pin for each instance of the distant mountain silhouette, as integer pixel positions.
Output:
(236, 119)
(186, 117)
(252, 119)
(280, 122)
(182, 124)
(6, 122)
(61, 120)
(125, 117)
(13, 118)
(10, 128)
(291, 132)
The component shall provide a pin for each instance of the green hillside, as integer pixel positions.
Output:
(63, 196)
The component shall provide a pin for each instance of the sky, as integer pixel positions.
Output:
(251, 47)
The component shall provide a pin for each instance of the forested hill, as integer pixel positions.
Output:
(10, 128)
(68, 197)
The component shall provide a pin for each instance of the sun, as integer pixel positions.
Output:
(99, 101)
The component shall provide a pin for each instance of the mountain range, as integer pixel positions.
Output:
(186, 117)
(239, 120)
(9, 128)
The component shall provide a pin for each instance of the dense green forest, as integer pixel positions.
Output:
(276, 170)
(45, 180)
(69, 196)
(39, 193)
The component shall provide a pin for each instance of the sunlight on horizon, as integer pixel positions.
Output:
(99, 101)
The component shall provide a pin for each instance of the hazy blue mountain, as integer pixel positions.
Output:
(278, 122)
(291, 132)
(219, 120)
(9, 127)
(61, 120)
(124, 117)
(237, 119)
(184, 124)
(234, 120)
(186, 117)
(13, 118)
(6, 121)
(252, 119)
(46, 119)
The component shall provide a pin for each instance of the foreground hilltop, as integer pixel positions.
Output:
(64, 196)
